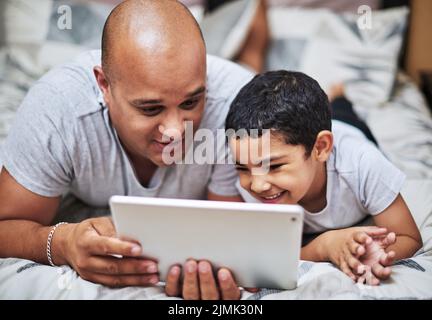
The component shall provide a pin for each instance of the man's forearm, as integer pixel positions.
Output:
(28, 240)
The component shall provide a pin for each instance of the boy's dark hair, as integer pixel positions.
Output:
(290, 102)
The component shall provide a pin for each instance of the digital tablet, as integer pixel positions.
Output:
(260, 243)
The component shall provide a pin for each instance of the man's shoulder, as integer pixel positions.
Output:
(72, 86)
(224, 77)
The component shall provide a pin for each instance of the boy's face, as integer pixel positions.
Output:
(288, 176)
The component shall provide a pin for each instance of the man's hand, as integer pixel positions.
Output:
(355, 252)
(89, 247)
(198, 282)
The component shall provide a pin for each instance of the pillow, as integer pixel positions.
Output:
(332, 48)
(33, 43)
(226, 29)
(334, 5)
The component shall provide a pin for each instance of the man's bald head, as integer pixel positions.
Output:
(151, 26)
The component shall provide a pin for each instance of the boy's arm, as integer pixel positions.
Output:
(316, 250)
(397, 218)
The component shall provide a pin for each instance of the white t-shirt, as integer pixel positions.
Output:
(361, 181)
(62, 139)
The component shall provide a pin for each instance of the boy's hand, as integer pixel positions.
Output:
(376, 260)
(198, 282)
(346, 247)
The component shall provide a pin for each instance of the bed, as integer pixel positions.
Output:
(390, 103)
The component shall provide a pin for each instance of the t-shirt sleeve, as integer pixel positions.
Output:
(224, 175)
(380, 180)
(34, 152)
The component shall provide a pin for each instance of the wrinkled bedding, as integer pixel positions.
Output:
(403, 128)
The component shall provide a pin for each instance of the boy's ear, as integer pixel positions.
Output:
(323, 145)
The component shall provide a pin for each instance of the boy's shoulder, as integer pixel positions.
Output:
(352, 150)
(358, 164)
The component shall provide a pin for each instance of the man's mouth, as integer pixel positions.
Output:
(272, 198)
(173, 144)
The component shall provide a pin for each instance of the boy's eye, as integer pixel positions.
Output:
(152, 111)
(189, 104)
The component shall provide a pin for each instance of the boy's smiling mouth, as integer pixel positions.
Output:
(272, 198)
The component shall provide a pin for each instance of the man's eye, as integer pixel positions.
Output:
(275, 166)
(152, 111)
(189, 104)
(241, 168)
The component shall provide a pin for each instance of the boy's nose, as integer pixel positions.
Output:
(259, 185)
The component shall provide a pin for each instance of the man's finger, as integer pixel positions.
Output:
(122, 281)
(104, 226)
(208, 288)
(101, 245)
(122, 266)
(228, 287)
(173, 285)
(190, 289)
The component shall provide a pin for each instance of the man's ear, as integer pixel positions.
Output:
(103, 83)
(323, 145)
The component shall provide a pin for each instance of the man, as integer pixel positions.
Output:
(98, 130)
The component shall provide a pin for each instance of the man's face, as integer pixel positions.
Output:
(285, 179)
(150, 100)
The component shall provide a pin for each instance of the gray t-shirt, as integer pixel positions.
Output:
(361, 181)
(62, 139)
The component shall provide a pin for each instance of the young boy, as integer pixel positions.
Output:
(329, 168)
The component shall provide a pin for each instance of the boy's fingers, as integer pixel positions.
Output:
(190, 281)
(353, 263)
(370, 278)
(345, 269)
(389, 239)
(387, 259)
(375, 231)
(362, 237)
(209, 290)
(356, 249)
(173, 285)
(361, 280)
(381, 272)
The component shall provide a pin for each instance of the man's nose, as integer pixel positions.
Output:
(259, 184)
(172, 128)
